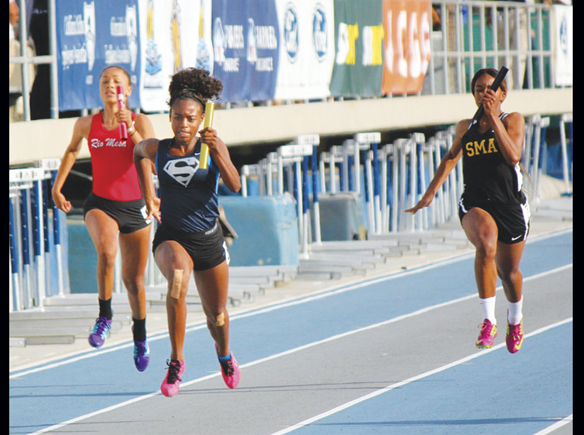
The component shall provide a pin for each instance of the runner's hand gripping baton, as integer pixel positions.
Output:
(203, 159)
(496, 83)
(122, 105)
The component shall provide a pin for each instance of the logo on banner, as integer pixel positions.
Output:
(182, 170)
(203, 46)
(224, 38)
(126, 50)
(372, 45)
(407, 49)
(564, 34)
(260, 38)
(319, 32)
(346, 43)
(132, 34)
(175, 25)
(89, 20)
(252, 49)
(80, 25)
(291, 32)
(153, 55)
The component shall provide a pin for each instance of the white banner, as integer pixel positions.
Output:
(307, 49)
(564, 46)
(174, 35)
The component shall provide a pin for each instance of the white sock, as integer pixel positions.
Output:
(515, 313)
(488, 308)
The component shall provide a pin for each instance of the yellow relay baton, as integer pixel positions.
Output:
(203, 159)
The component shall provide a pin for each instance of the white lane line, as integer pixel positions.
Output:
(318, 294)
(297, 301)
(413, 379)
(301, 348)
(556, 426)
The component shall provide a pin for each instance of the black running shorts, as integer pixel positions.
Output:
(512, 219)
(131, 216)
(207, 248)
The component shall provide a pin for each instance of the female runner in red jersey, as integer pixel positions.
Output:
(114, 206)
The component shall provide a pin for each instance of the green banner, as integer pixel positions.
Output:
(358, 65)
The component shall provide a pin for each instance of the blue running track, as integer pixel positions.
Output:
(390, 355)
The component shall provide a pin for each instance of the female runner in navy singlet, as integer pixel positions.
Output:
(189, 238)
(114, 212)
(493, 209)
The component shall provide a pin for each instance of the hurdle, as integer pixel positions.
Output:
(31, 228)
(530, 128)
(295, 156)
(332, 158)
(366, 147)
(534, 154)
(440, 200)
(567, 162)
(418, 178)
(316, 205)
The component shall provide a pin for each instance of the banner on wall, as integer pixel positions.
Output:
(89, 38)
(174, 35)
(307, 45)
(259, 49)
(407, 45)
(358, 64)
(246, 42)
(564, 34)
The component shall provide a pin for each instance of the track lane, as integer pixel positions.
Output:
(276, 331)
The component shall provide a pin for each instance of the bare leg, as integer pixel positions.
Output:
(481, 230)
(508, 259)
(103, 231)
(212, 285)
(134, 248)
(170, 257)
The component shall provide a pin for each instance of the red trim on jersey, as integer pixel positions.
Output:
(112, 159)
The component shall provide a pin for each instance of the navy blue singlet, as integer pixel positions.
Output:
(188, 194)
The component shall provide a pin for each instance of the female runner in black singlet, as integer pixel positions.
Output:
(493, 210)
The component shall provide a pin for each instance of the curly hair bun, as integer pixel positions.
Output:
(194, 83)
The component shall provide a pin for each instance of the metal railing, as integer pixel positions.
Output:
(471, 35)
(480, 34)
(24, 60)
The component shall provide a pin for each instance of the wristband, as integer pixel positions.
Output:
(132, 129)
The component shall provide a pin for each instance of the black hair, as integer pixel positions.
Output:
(196, 84)
(490, 71)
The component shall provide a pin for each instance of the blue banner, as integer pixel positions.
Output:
(246, 41)
(91, 36)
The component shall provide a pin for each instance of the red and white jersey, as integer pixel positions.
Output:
(112, 159)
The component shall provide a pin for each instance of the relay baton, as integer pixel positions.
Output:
(496, 83)
(122, 105)
(209, 109)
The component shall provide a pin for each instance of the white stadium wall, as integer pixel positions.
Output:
(30, 141)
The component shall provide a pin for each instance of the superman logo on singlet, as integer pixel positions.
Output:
(182, 170)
